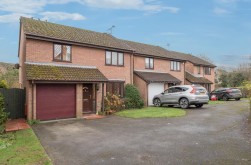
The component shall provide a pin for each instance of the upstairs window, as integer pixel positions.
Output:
(62, 52)
(149, 63)
(114, 58)
(198, 69)
(207, 70)
(175, 66)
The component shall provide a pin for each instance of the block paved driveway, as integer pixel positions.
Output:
(215, 134)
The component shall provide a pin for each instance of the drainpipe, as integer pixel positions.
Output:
(132, 63)
(103, 105)
(32, 97)
(184, 73)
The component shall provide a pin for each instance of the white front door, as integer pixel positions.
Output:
(154, 89)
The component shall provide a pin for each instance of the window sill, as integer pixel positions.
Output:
(61, 61)
(176, 70)
(115, 65)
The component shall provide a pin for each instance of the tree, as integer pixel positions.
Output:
(235, 79)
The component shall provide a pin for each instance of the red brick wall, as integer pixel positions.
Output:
(142, 87)
(42, 51)
(211, 78)
(189, 67)
(160, 65)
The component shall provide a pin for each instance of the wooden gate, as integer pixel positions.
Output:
(14, 102)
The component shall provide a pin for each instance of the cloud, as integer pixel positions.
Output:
(14, 17)
(220, 11)
(33, 8)
(151, 6)
(62, 16)
(226, 1)
(13, 9)
(24, 6)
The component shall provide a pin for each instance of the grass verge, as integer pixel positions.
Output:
(22, 147)
(152, 112)
(216, 102)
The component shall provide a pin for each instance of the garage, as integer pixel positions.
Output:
(154, 89)
(55, 101)
(153, 83)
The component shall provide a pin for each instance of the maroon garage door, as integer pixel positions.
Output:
(55, 101)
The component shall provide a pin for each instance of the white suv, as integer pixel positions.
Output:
(183, 95)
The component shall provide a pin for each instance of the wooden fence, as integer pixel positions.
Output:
(14, 102)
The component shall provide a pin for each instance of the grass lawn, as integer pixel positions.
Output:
(152, 112)
(22, 147)
(216, 102)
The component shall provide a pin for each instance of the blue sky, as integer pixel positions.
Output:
(218, 29)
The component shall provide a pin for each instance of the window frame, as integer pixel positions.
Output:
(174, 66)
(198, 69)
(209, 69)
(149, 65)
(123, 58)
(61, 60)
(121, 87)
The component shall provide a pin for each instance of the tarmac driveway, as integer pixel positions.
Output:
(215, 134)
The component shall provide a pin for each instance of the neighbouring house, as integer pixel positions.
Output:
(67, 71)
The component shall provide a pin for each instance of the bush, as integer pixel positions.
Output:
(3, 84)
(132, 97)
(3, 115)
(113, 103)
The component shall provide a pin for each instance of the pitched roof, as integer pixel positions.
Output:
(55, 72)
(146, 49)
(196, 80)
(67, 33)
(151, 77)
(49, 30)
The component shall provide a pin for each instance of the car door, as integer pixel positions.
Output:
(168, 95)
(178, 91)
(216, 93)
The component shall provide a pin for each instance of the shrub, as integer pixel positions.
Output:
(33, 122)
(132, 97)
(3, 84)
(113, 102)
(3, 115)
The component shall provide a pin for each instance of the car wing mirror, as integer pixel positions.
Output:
(162, 93)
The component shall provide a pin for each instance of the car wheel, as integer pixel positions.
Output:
(184, 103)
(237, 99)
(157, 102)
(198, 105)
(225, 98)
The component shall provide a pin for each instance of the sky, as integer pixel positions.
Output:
(217, 29)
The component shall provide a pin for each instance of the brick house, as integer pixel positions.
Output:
(67, 71)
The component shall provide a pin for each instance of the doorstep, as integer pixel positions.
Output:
(92, 116)
(16, 124)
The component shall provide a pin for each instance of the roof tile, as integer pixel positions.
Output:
(196, 80)
(63, 73)
(151, 77)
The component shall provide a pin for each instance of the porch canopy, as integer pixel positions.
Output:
(197, 80)
(156, 77)
(63, 73)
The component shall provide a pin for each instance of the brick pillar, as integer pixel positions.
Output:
(34, 102)
(79, 100)
(29, 100)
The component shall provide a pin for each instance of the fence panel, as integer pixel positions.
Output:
(14, 102)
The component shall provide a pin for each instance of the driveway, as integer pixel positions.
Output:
(215, 134)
